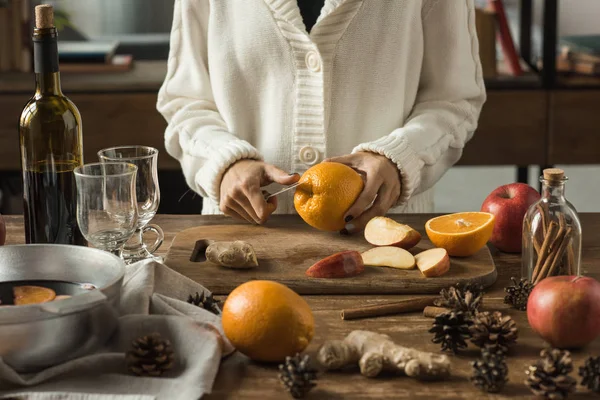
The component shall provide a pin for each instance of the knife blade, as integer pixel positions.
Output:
(285, 189)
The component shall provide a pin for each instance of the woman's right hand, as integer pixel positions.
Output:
(241, 194)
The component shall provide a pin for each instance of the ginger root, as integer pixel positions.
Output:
(375, 352)
(236, 254)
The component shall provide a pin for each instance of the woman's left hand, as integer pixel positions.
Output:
(382, 188)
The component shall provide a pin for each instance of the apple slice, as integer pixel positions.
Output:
(388, 256)
(433, 262)
(339, 265)
(383, 231)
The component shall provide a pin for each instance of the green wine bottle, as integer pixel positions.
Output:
(51, 146)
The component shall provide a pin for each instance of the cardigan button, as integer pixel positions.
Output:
(313, 62)
(309, 155)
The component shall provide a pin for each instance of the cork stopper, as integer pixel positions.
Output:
(44, 16)
(554, 174)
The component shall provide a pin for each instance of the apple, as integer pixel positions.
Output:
(388, 256)
(509, 203)
(2, 231)
(383, 231)
(433, 262)
(565, 310)
(339, 265)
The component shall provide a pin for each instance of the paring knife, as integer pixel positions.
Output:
(285, 189)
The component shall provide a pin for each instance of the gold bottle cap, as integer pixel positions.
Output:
(44, 16)
(554, 174)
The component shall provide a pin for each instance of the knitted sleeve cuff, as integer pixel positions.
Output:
(399, 152)
(209, 176)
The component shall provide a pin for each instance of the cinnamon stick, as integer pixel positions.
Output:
(433, 311)
(562, 221)
(560, 251)
(537, 245)
(545, 250)
(551, 259)
(399, 307)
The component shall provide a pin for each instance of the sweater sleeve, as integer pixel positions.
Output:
(450, 97)
(196, 135)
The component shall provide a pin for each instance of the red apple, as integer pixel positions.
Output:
(509, 203)
(2, 231)
(565, 310)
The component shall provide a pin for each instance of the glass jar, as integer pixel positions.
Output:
(551, 232)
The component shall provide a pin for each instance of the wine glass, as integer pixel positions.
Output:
(106, 204)
(148, 197)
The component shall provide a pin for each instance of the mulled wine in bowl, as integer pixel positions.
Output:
(57, 303)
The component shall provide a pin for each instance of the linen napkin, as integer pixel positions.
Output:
(153, 299)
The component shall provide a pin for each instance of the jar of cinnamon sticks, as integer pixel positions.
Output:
(551, 232)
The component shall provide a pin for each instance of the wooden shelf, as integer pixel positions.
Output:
(577, 82)
(145, 76)
(504, 80)
(148, 76)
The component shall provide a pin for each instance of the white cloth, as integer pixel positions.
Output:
(153, 299)
(245, 80)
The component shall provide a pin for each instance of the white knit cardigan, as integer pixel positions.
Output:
(401, 78)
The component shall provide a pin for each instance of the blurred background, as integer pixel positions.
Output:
(541, 61)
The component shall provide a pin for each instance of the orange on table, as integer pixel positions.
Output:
(32, 295)
(326, 192)
(461, 234)
(267, 321)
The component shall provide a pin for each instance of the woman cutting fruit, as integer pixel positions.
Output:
(256, 89)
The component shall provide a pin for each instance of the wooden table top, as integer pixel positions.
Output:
(240, 378)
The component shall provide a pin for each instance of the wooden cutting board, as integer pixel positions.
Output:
(287, 247)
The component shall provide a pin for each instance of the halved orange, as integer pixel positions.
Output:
(461, 234)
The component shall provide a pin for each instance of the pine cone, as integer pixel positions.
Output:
(549, 377)
(467, 298)
(590, 374)
(150, 355)
(297, 375)
(494, 329)
(518, 294)
(451, 329)
(206, 302)
(489, 373)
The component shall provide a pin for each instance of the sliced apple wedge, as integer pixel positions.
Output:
(433, 262)
(339, 265)
(383, 231)
(388, 256)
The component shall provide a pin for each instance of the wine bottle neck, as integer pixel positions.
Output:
(48, 84)
(45, 60)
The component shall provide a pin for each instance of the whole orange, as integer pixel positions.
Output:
(267, 321)
(326, 191)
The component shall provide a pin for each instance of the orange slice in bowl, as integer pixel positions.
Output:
(461, 234)
(32, 295)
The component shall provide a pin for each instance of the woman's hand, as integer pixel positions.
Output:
(241, 194)
(382, 188)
